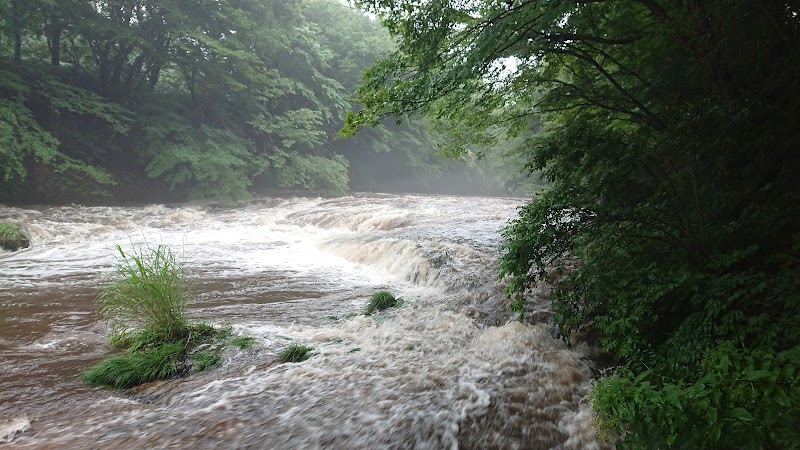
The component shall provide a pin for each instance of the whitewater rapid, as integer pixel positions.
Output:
(450, 369)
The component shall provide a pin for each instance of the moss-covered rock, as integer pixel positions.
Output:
(13, 237)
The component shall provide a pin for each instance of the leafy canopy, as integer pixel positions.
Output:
(669, 230)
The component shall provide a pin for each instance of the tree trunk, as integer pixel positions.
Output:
(53, 32)
(17, 30)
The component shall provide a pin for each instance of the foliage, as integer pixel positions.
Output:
(207, 99)
(243, 342)
(744, 399)
(24, 142)
(131, 369)
(13, 237)
(148, 292)
(204, 359)
(379, 301)
(207, 163)
(327, 176)
(669, 227)
(146, 304)
(295, 353)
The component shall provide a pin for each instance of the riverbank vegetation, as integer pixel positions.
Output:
(145, 304)
(106, 101)
(667, 132)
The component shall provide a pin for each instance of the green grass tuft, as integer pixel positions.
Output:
(130, 369)
(295, 353)
(243, 342)
(379, 301)
(149, 293)
(205, 359)
(146, 304)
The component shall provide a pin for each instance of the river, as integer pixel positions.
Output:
(449, 369)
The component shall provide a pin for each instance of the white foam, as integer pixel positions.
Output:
(422, 376)
(10, 429)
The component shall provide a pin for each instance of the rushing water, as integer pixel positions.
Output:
(449, 369)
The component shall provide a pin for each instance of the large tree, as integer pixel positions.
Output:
(668, 134)
(201, 98)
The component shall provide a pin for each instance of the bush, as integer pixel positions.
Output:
(149, 293)
(295, 353)
(379, 301)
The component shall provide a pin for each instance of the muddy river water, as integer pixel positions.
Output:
(450, 369)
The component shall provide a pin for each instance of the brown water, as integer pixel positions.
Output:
(449, 369)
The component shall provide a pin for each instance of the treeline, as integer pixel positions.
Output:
(668, 131)
(124, 100)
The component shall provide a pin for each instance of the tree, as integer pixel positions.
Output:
(670, 226)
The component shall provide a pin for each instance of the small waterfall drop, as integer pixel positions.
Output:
(427, 375)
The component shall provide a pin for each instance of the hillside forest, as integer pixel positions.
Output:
(144, 100)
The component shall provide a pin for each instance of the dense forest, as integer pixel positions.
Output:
(173, 99)
(668, 133)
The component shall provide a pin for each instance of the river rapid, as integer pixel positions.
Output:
(450, 369)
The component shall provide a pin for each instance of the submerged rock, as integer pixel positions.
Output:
(13, 237)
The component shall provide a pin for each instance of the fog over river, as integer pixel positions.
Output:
(449, 369)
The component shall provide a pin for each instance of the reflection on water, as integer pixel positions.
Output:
(449, 369)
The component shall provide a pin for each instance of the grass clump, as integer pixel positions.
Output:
(243, 342)
(146, 305)
(295, 353)
(148, 292)
(379, 301)
(205, 359)
(130, 369)
(13, 237)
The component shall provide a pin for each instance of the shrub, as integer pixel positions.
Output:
(295, 353)
(149, 293)
(379, 301)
